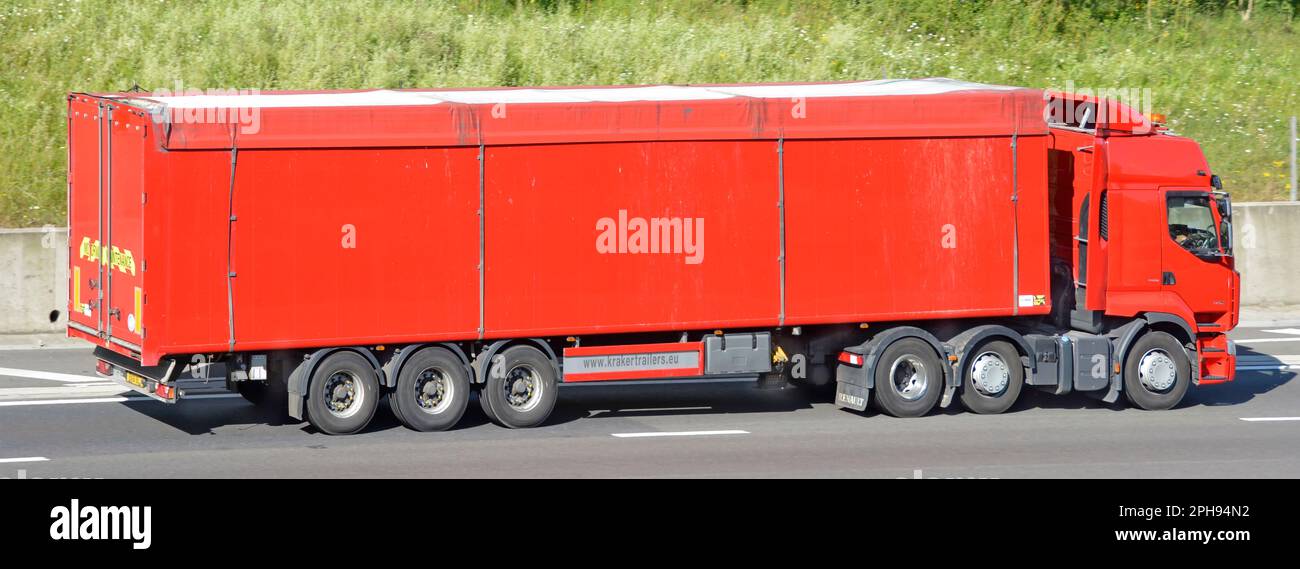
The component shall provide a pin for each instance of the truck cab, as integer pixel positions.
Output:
(1141, 228)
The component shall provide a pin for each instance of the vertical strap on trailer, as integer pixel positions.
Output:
(230, 234)
(106, 263)
(99, 221)
(1015, 221)
(482, 219)
(780, 206)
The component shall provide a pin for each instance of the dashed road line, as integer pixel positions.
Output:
(24, 459)
(52, 376)
(1269, 419)
(677, 434)
(34, 402)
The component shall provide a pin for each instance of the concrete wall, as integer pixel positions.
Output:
(34, 277)
(1267, 247)
(33, 280)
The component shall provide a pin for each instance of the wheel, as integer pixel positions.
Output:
(993, 379)
(343, 394)
(521, 387)
(909, 378)
(432, 391)
(1157, 372)
(486, 406)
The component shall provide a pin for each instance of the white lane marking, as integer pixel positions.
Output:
(107, 400)
(677, 434)
(1291, 331)
(62, 391)
(1264, 340)
(52, 376)
(25, 459)
(1269, 419)
(1283, 367)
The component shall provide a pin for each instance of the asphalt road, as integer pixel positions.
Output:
(58, 420)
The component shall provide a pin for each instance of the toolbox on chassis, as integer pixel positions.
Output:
(912, 241)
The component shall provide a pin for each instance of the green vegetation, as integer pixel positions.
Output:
(1224, 79)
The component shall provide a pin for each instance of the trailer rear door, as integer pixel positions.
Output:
(124, 226)
(85, 163)
(106, 209)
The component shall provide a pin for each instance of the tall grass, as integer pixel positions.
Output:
(1230, 83)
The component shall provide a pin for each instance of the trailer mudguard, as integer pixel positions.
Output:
(479, 366)
(400, 355)
(864, 377)
(297, 382)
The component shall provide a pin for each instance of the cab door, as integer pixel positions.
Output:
(1194, 261)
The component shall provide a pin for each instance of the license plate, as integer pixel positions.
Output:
(134, 379)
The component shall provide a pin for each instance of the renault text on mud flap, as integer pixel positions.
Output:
(122, 523)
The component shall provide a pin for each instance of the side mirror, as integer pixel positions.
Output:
(1216, 183)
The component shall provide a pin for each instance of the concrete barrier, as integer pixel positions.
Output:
(33, 280)
(1267, 247)
(34, 275)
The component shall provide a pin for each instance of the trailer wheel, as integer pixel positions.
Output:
(432, 391)
(993, 380)
(1157, 372)
(486, 406)
(521, 387)
(343, 394)
(909, 378)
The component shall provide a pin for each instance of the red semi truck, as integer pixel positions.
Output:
(912, 242)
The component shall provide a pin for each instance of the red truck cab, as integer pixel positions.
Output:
(1113, 173)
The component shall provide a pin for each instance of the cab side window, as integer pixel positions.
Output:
(1191, 223)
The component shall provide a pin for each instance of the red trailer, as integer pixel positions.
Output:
(914, 241)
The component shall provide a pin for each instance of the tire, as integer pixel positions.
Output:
(998, 364)
(432, 391)
(343, 394)
(486, 406)
(521, 368)
(905, 359)
(1164, 356)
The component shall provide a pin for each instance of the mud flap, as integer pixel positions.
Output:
(850, 396)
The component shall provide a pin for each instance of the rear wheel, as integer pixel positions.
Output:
(521, 387)
(343, 394)
(1157, 372)
(432, 391)
(908, 378)
(992, 381)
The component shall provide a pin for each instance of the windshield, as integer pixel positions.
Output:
(1191, 223)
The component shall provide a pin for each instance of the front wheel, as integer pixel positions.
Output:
(521, 387)
(1157, 372)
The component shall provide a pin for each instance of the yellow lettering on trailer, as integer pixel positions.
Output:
(115, 258)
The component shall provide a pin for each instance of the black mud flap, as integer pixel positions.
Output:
(850, 396)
